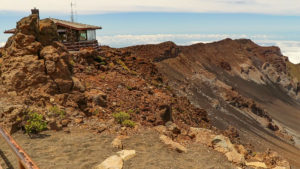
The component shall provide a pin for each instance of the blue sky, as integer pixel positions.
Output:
(132, 23)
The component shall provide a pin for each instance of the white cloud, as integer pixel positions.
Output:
(288, 7)
(288, 48)
(2, 44)
(182, 39)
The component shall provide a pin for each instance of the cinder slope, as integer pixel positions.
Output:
(240, 84)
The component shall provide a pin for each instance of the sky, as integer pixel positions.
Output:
(132, 22)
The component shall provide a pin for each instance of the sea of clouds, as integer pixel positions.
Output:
(291, 49)
(288, 48)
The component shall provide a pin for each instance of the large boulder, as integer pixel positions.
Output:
(57, 67)
(20, 45)
(21, 73)
(28, 25)
(47, 32)
(29, 66)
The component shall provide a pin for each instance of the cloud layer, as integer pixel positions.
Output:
(288, 48)
(288, 7)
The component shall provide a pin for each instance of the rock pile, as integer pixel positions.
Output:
(35, 68)
(33, 63)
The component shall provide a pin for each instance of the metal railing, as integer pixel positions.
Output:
(75, 46)
(25, 161)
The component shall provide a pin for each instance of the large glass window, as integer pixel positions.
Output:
(91, 34)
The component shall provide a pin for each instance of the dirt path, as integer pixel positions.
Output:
(82, 150)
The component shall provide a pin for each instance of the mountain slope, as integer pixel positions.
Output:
(240, 84)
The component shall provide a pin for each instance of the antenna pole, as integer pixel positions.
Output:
(72, 12)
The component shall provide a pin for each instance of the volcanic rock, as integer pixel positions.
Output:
(47, 32)
(126, 154)
(28, 66)
(113, 162)
(172, 144)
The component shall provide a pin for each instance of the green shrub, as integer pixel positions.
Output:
(129, 88)
(57, 111)
(121, 116)
(128, 123)
(35, 123)
(102, 63)
(130, 111)
(72, 62)
(120, 62)
(99, 59)
(96, 112)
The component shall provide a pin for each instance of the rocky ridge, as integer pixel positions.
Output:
(38, 73)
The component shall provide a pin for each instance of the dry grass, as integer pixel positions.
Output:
(294, 70)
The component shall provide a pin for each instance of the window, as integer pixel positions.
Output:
(82, 35)
(91, 34)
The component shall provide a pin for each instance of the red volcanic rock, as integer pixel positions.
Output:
(28, 65)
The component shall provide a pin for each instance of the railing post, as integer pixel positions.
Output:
(21, 165)
(25, 161)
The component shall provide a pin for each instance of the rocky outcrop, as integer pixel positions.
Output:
(35, 68)
(47, 32)
(33, 61)
(126, 154)
(172, 144)
(113, 162)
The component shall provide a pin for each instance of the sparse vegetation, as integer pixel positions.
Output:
(100, 59)
(294, 70)
(35, 123)
(120, 62)
(129, 88)
(128, 123)
(72, 62)
(96, 112)
(130, 111)
(111, 65)
(57, 111)
(123, 118)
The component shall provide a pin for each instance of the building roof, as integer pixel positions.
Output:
(67, 24)
(74, 25)
(10, 31)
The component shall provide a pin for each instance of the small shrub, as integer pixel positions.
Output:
(120, 62)
(102, 63)
(121, 117)
(96, 112)
(57, 111)
(128, 123)
(111, 65)
(35, 123)
(129, 88)
(72, 62)
(130, 111)
(89, 69)
(103, 77)
(99, 59)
